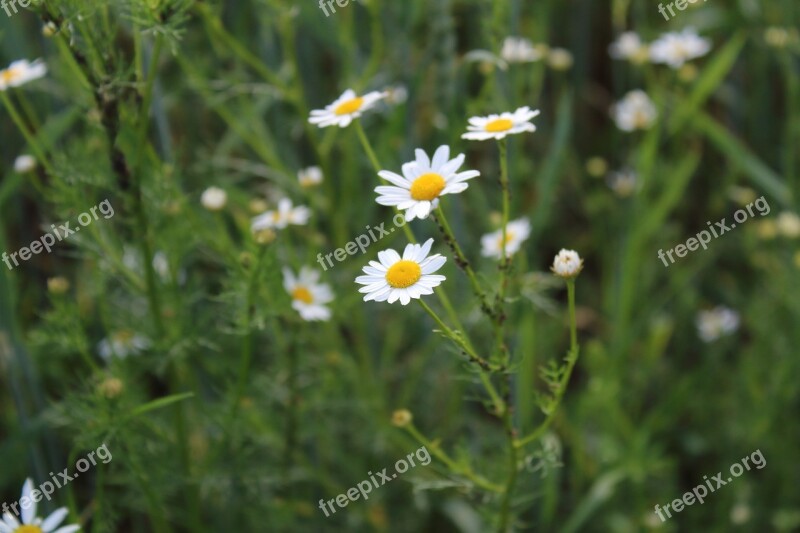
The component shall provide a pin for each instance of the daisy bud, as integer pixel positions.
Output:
(401, 418)
(214, 199)
(257, 206)
(596, 166)
(567, 264)
(788, 225)
(24, 164)
(111, 388)
(560, 59)
(264, 236)
(58, 285)
(49, 29)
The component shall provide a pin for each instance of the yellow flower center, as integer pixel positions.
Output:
(124, 336)
(350, 106)
(500, 124)
(303, 294)
(403, 274)
(8, 74)
(276, 216)
(28, 529)
(427, 187)
(509, 238)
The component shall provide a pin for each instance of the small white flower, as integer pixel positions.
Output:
(788, 225)
(634, 111)
(402, 278)
(567, 264)
(675, 49)
(21, 72)
(623, 182)
(717, 322)
(519, 50)
(560, 58)
(344, 109)
(498, 126)
(424, 180)
(32, 523)
(517, 232)
(308, 295)
(282, 217)
(396, 95)
(121, 344)
(309, 177)
(214, 199)
(628, 46)
(24, 164)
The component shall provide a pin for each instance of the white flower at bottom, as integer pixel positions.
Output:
(344, 109)
(498, 126)
(21, 72)
(517, 232)
(717, 322)
(24, 164)
(285, 215)
(634, 112)
(214, 198)
(567, 264)
(32, 523)
(402, 278)
(308, 295)
(121, 344)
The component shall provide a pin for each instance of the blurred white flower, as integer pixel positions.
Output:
(622, 182)
(634, 112)
(498, 126)
(214, 199)
(567, 264)
(788, 224)
(519, 50)
(285, 215)
(559, 59)
(308, 295)
(121, 344)
(675, 49)
(32, 523)
(517, 232)
(717, 322)
(423, 182)
(309, 177)
(345, 109)
(396, 95)
(24, 163)
(21, 72)
(402, 278)
(628, 46)
(740, 514)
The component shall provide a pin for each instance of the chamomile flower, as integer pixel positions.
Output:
(24, 164)
(675, 49)
(344, 109)
(121, 344)
(308, 295)
(214, 199)
(285, 215)
(309, 177)
(713, 324)
(21, 72)
(423, 181)
(402, 278)
(498, 126)
(634, 112)
(567, 264)
(629, 46)
(519, 50)
(517, 232)
(622, 182)
(32, 523)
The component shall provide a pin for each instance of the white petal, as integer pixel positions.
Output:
(67, 529)
(405, 298)
(422, 158)
(28, 514)
(388, 257)
(432, 264)
(424, 250)
(440, 157)
(391, 177)
(55, 518)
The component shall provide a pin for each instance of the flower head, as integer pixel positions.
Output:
(285, 215)
(517, 232)
(717, 322)
(559, 59)
(498, 126)
(344, 109)
(519, 50)
(121, 344)
(634, 112)
(629, 46)
(424, 180)
(21, 72)
(675, 49)
(308, 295)
(788, 225)
(567, 264)
(32, 523)
(309, 177)
(401, 418)
(402, 278)
(622, 182)
(214, 199)
(24, 164)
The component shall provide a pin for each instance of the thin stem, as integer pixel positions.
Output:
(29, 137)
(505, 262)
(512, 474)
(367, 146)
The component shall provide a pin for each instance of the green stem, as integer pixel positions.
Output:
(29, 137)
(505, 509)
(505, 262)
(367, 146)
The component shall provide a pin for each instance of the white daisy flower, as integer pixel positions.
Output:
(308, 295)
(622, 182)
(309, 177)
(214, 199)
(21, 72)
(713, 324)
(634, 112)
(285, 215)
(674, 49)
(498, 126)
(24, 164)
(519, 50)
(32, 523)
(396, 95)
(121, 344)
(567, 264)
(517, 232)
(344, 109)
(402, 278)
(628, 46)
(423, 181)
